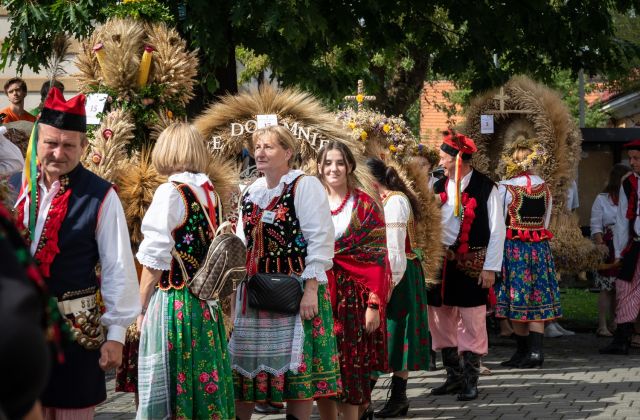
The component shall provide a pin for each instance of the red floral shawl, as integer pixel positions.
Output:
(361, 251)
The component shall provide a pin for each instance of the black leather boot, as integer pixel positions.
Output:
(520, 354)
(535, 355)
(471, 370)
(451, 362)
(432, 357)
(621, 340)
(397, 403)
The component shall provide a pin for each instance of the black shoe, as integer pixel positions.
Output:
(265, 408)
(432, 361)
(535, 355)
(451, 362)
(397, 403)
(520, 354)
(471, 371)
(621, 340)
(291, 417)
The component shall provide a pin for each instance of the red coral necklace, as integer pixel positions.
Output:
(341, 206)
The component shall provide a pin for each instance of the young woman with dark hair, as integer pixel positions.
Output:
(359, 280)
(407, 322)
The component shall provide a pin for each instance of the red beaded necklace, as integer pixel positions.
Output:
(341, 206)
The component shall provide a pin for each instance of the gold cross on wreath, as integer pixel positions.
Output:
(360, 97)
(501, 97)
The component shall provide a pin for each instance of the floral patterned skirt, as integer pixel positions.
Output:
(529, 288)
(199, 381)
(361, 354)
(407, 322)
(127, 373)
(317, 377)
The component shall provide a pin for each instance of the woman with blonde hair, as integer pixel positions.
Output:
(184, 369)
(286, 224)
(528, 294)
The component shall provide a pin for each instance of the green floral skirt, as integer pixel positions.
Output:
(319, 374)
(184, 367)
(407, 322)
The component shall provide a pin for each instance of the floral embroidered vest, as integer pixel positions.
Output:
(192, 239)
(277, 247)
(526, 213)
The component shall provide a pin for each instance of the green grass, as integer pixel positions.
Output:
(580, 309)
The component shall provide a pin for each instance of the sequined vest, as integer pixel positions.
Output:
(277, 247)
(526, 213)
(192, 239)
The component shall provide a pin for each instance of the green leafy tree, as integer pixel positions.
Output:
(394, 45)
(567, 85)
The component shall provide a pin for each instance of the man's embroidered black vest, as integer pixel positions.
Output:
(479, 188)
(277, 247)
(78, 382)
(192, 239)
(73, 269)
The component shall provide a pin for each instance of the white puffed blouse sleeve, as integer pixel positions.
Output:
(397, 210)
(314, 216)
(164, 215)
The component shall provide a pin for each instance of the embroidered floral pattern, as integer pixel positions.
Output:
(529, 289)
(526, 213)
(192, 239)
(280, 245)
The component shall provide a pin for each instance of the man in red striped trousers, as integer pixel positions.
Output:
(626, 243)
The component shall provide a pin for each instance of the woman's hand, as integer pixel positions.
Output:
(371, 320)
(309, 302)
(139, 323)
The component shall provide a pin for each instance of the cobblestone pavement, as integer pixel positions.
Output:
(575, 382)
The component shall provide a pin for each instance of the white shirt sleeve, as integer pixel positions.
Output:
(547, 216)
(493, 261)
(597, 215)
(621, 229)
(505, 199)
(119, 285)
(314, 215)
(165, 213)
(11, 160)
(240, 228)
(396, 216)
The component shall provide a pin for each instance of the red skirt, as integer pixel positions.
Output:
(361, 354)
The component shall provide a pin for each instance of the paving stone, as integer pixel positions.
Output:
(574, 383)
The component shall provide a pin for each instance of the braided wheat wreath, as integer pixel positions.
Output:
(532, 110)
(228, 126)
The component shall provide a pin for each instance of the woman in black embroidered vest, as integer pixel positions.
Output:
(528, 294)
(184, 368)
(286, 224)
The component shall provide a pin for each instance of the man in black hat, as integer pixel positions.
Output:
(626, 243)
(73, 219)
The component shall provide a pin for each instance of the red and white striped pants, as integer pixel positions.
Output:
(628, 298)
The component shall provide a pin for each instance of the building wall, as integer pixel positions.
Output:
(432, 119)
(33, 79)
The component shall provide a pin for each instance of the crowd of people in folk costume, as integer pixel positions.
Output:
(365, 310)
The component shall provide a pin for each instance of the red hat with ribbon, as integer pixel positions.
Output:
(632, 145)
(63, 114)
(454, 143)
